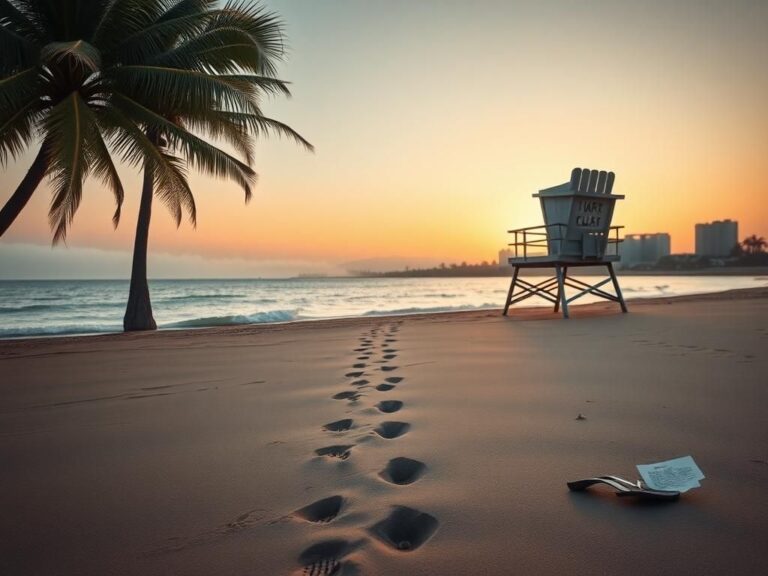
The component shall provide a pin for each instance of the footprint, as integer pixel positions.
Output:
(384, 387)
(402, 471)
(341, 451)
(246, 520)
(360, 365)
(405, 529)
(353, 374)
(389, 340)
(389, 356)
(391, 430)
(324, 558)
(360, 382)
(322, 511)
(349, 395)
(394, 379)
(389, 350)
(366, 349)
(339, 425)
(388, 368)
(389, 406)
(363, 357)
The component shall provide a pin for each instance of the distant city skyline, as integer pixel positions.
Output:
(714, 239)
(429, 152)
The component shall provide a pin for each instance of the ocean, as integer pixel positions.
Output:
(59, 307)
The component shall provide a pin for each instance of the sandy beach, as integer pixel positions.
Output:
(418, 445)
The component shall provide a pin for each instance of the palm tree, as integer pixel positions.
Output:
(200, 75)
(51, 90)
(138, 77)
(61, 65)
(754, 244)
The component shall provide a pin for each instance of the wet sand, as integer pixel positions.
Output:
(419, 445)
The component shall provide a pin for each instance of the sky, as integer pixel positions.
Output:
(435, 121)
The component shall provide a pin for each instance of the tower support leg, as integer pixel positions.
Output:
(511, 289)
(561, 289)
(616, 287)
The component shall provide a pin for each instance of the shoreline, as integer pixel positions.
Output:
(523, 313)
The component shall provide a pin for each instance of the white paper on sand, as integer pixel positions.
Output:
(680, 474)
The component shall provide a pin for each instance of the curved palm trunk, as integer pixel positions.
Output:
(138, 314)
(23, 193)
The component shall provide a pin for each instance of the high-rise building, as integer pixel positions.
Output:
(504, 255)
(644, 249)
(717, 238)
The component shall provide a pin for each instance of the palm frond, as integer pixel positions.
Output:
(103, 167)
(80, 52)
(14, 19)
(181, 8)
(263, 126)
(171, 89)
(199, 153)
(121, 19)
(67, 130)
(217, 125)
(259, 84)
(18, 89)
(137, 149)
(224, 50)
(48, 17)
(266, 29)
(17, 130)
(16, 51)
(172, 188)
(159, 35)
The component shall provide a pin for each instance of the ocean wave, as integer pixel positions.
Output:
(65, 329)
(429, 310)
(188, 297)
(28, 308)
(257, 318)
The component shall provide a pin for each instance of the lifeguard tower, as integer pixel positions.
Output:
(577, 232)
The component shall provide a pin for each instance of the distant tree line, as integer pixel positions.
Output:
(444, 270)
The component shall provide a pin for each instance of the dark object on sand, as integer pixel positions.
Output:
(624, 488)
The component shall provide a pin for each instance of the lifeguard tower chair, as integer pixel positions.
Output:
(577, 232)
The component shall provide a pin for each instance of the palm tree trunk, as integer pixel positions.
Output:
(138, 314)
(23, 193)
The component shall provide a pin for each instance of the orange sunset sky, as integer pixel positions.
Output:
(435, 121)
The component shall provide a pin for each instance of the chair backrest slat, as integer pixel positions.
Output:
(601, 181)
(584, 182)
(592, 182)
(575, 177)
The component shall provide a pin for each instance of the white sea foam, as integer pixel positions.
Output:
(428, 310)
(255, 318)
